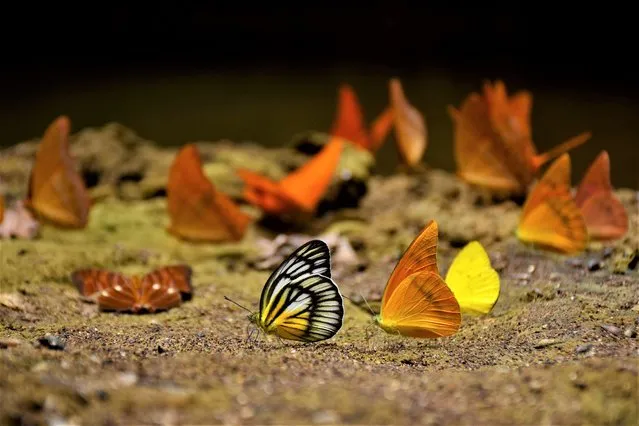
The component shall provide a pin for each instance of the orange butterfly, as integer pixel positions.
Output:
(349, 122)
(605, 216)
(550, 216)
(1, 208)
(493, 143)
(158, 290)
(410, 128)
(56, 190)
(417, 302)
(197, 210)
(300, 191)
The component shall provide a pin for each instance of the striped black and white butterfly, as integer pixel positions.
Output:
(300, 301)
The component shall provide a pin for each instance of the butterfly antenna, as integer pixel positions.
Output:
(237, 304)
(355, 303)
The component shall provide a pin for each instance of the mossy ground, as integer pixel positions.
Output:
(546, 353)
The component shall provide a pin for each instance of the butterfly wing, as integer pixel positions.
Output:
(421, 306)
(56, 190)
(179, 276)
(298, 276)
(349, 122)
(410, 128)
(308, 184)
(121, 295)
(1, 208)
(420, 256)
(605, 215)
(311, 258)
(92, 281)
(307, 309)
(480, 160)
(550, 217)
(157, 292)
(198, 211)
(264, 193)
(380, 127)
(472, 280)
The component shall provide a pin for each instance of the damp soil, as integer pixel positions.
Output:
(559, 347)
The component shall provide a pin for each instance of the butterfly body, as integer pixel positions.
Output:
(300, 301)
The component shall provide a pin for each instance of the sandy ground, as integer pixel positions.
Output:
(560, 346)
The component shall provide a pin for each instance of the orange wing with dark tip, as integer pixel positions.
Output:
(56, 190)
(300, 191)
(350, 125)
(550, 217)
(197, 210)
(410, 128)
(493, 142)
(606, 217)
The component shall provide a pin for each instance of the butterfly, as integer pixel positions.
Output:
(550, 217)
(301, 190)
(493, 142)
(161, 289)
(605, 216)
(473, 280)
(410, 128)
(1, 208)
(56, 191)
(300, 301)
(416, 301)
(349, 122)
(197, 210)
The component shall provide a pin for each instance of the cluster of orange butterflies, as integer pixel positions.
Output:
(493, 149)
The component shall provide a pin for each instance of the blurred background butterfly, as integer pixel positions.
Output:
(300, 301)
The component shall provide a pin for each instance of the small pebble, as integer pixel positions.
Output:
(614, 330)
(581, 349)
(554, 276)
(53, 342)
(535, 386)
(575, 262)
(546, 342)
(630, 332)
(594, 265)
(531, 269)
(607, 252)
(161, 350)
(521, 276)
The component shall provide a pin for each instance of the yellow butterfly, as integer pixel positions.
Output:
(300, 301)
(473, 280)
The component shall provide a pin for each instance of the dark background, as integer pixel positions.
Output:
(149, 66)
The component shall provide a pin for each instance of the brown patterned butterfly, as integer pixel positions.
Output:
(159, 290)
